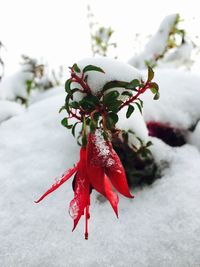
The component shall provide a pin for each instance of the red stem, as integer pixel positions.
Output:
(140, 91)
(87, 215)
(81, 82)
(74, 115)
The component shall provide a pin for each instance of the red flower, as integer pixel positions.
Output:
(99, 167)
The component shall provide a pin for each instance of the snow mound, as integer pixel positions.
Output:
(178, 105)
(114, 70)
(37, 95)
(136, 124)
(15, 85)
(160, 227)
(180, 57)
(9, 109)
(156, 45)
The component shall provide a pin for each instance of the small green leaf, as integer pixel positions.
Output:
(109, 97)
(149, 143)
(139, 107)
(73, 128)
(127, 93)
(133, 84)
(67, 86)
(154, 85)
(150, 74)
(96, 116)
(111, 120)
(67, 103)
(86, 78)
(141, 102)
(93, 125)
(92, 68)
(76, 68)
(153, 90)
(74, 105)
(156, 96)
(114, 105)
(114, 84)
(64, 122)
(89, 102)
(61, 109)
(129, 111)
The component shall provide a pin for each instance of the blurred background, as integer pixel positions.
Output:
(58, 32)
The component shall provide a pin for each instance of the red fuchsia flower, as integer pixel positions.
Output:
(100, 168)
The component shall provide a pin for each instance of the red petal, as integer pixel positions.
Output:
(111, 195)
(81, 191)
(102, 159)
(58, 183)
(117, 175)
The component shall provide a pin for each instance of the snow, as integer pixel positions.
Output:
(9, 109)
(193, 137)
(181, 56)
(136, 124)
(15, 85)
(160, 227)
(179, 99)
(37, 95)
(114, 70)
(156, 45)
(103, 150)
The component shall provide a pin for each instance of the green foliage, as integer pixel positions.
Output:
(92, 68)
(101, 110)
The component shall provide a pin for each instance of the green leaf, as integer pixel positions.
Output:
(156, 96)
(133, 84)
(141, 102)
(67, 103)
(154, 85)
(64, 122)
(129, 111)
(139, 107)
(76, 68)
(92, 125)
(153, 90)
(111, 120)
(86, 78)
(67, 86)
(96, 116)
(109, 97)
(127, 93)
(114, 105)
(150, 74)
(115, 84)
(73, 128)
(89, 102)
(74, 105)
(61, 109)
(92, 68)
(149, 143)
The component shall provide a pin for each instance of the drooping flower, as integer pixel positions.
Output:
(100, 168)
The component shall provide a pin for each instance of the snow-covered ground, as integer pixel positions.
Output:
(160, 227)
